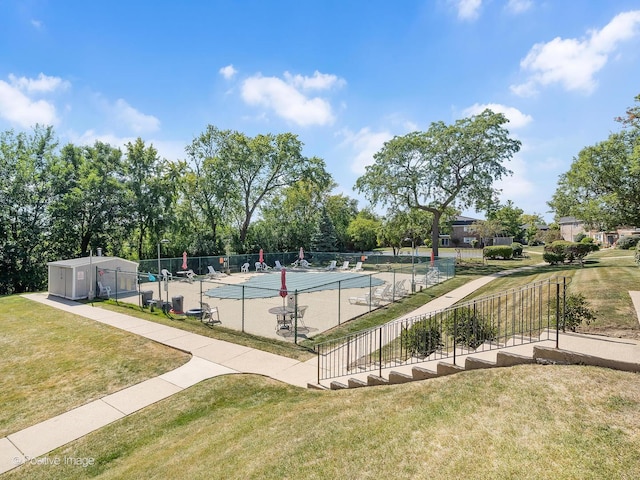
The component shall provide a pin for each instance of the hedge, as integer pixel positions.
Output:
(498, 251)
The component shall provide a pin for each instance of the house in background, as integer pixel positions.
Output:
(461, 233)
(571, 226)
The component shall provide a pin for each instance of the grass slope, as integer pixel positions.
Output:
(521, 422)
(53, 361)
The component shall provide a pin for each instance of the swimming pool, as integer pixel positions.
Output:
(267, 285)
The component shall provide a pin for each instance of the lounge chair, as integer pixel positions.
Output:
(244, 268)
(345, 265)
(278, 265)
(190, 276)
(166, 275)
(207, 314)
(305, 264)
(104, 290)
(383, 292)
(358, 267)
(365, 300)
(213, 275)
(265, 267)
(332, 265)
(258, 266)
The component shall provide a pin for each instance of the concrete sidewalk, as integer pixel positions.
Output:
(211, 358)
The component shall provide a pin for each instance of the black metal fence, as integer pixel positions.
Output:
(254, 307)
(528, 314)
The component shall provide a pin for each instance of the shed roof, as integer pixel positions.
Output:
(95, 260)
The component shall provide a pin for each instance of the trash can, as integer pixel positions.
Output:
(177, 303)
(147, 296)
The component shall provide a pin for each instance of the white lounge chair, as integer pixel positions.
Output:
(365, 300)
(244, 268)
(190, 276)
(345, 265)
(213, 274)
(265, 267)
(278, 265)
(104, 290)
(207, 314)
(358, 267)
(166, 275)
(332, 265)
(258, 266)
(383, 292)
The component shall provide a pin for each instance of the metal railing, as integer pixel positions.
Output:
(518, 316)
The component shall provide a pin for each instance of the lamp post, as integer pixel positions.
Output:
(163, 241)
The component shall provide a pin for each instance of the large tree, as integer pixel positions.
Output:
(446, 166)
(510, 217)
(25, 194)
(260, 167)
(602, 185)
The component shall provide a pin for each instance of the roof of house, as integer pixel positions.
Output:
(568, 220)
(95, 260)
(459, 220)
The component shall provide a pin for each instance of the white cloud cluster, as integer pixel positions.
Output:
(228, 72)
(518, 6)
(17, 102)
(517, 119)
(364, 145)
(288, 96)
(137, 121)
(574, 62)
(467, 9)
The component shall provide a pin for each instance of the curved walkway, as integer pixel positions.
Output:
(210, 358)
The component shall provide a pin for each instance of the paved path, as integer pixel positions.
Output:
(210, 358)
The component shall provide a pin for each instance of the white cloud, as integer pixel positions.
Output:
(364, 144)
(18, 107)
(137, 121)
(574, 62)
(170, 149)
(319, 81)
(468, 9)
(43, 83)
(284, 97)
(517, 119)
(36, 23)
(228, 72)
(519, 6)
(517, 187)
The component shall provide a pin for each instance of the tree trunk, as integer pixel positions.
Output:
(435, 232)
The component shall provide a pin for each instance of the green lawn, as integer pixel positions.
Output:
(53, 361)
(526, 422)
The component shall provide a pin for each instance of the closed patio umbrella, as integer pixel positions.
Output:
(283, 285)
(261, 259)
(301, 254)
(184, 260)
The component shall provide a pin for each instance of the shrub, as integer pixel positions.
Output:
(638, 254)
(586, 240)
(498, 251)
(422, 338)
(579, 237)
(552, 258)
(517, 249)
(577, 311)
(470, 328)
(628, 241)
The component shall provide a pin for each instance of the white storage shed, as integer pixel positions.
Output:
(83, 277)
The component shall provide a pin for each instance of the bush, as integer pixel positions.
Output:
(579, 237)
(577, 311)
(422, 338)
(552, 258)
(498, 251)
(470, 328)
(517, 249)
(628, 241)
(638, 254)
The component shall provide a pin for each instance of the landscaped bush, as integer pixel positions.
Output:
(553, 258)
(577, 311)
(422, 338)
(561, 251)
(498, 251)
(579, 237)
(628, 241)
(517, 249)
(469, 328)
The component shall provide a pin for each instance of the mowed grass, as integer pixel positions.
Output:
(53, 361)
(525, 422)
(605, 280)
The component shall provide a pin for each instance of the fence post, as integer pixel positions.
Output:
(339, 296)
(116, 271)
(558, 314)
(380, 354)
(455, 333)
(242, 308)
(295, 317)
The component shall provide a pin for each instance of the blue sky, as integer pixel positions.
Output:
(345, 76)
